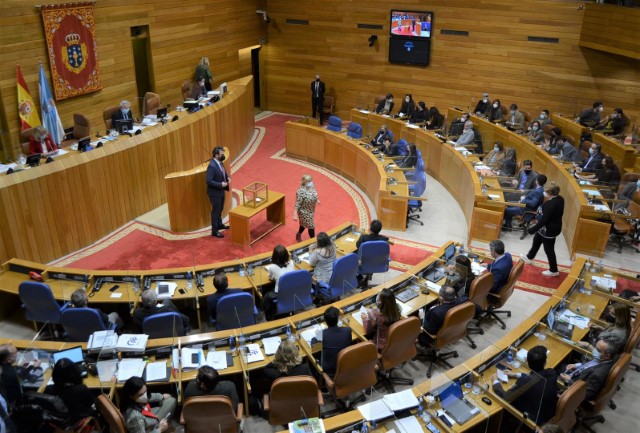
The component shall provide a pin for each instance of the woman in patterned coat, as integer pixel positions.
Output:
(305, 208)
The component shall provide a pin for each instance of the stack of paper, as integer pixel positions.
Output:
(404, 308)
(375, 410)
(253, 353)
(130, 367)
(310, 425)
(132, 343)
(156, 372)
(603, 283)
(401, 400)
(191, 358)
(574, 319)
(477, 268)
(103, 341)
(409, 424)
(271, 344)
(217, 359)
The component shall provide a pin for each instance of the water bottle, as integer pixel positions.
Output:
(189, 281)
(232, 344)
(462, 250)
(509, 357)
(289, 335)
(420, 408)
(136, 285)
(365, 427)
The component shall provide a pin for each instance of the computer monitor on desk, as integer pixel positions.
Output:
(161, 113)
(123, 126)
(33, 160)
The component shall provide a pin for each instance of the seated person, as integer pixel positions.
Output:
(146, 412)
(322, 258)
(434, 317)
(221, 284)
(496, 156)
(385, 106)
(41, 141)
(334, 339)
(614, 124)
(67, 384)
(199, 89)
(286, 362)
(390, 148)
(568, 152)
(536, 134)
(526, 177)
(407, 107)
(467, 136)
(124, 113)
(593, 162)
(79, 299)
(149, 307)
(411, 159)
(535, 395)
(436, 120)
(627, 194)
(515, 121)
(281, 263)
(596, 371)
(460, 276)
(383, 133)
(553, 145)
(591, 116)
(208, 383)
(509, 163)
(496, 114)
(457, 125)
(619, 331)
(374, 234)
(609, 174)
(543, 118)
(531, 199)
(501, 266)
(376, 322)
(12, 375)
(420, 114)
(483, 106)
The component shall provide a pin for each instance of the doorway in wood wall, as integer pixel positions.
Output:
(143, 63)
(250, 64)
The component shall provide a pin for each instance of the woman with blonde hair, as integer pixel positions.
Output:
(305, 207)
(41, 141)
(203, 71)
(286, 362)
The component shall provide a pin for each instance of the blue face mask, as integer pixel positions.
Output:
(596, 354)
(310, 185)
(124, 111)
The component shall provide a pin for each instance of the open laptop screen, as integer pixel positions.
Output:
(74, 354)
(451, 393)
(450, 252)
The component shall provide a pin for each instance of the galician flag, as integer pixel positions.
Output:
(50, 118)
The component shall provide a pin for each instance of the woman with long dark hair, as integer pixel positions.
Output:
(377, 322)
(146, 412)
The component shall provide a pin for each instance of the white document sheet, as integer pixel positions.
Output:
(271, 344)
(375, 410)
(156, 371)
(217, 360)
(401, 400)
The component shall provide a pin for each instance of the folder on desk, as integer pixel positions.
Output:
(157, 372)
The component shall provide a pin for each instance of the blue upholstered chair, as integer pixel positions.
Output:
(343, 278)
(334, 124)
(39, 304)
(354, 130)
(163, 325)
(374, 258)
(294, 292)
(403, 147)
(415, 206)
(80, 323)
(234, 307)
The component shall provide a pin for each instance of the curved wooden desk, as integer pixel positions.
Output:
(57, 208)
(344, 156)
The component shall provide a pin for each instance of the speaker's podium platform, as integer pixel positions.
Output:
(256, 198)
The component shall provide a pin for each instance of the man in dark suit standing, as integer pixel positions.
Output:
(501, 266)
(596, 371)
(334, 339)
(217, 183)
(317, 97)
(534, 394)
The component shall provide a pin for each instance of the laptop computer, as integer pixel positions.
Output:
(562, 328)
(449, 256)
(407, 294)
(161, 113)
(74, 354)
(456, 406)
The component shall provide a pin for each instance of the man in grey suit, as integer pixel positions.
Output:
(217, 184)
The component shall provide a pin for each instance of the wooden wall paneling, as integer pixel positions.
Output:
(485, 224)
(333, 152)
(461, 67)
(296, 140)
(624, 156)
(348, 163)
(315, 146)
(611, 29)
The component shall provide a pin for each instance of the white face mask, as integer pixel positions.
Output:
(124, 110)
(638, 183)
(596, 354)
(543, 115)
(496, 148)
(485, 100)
(601, 109)
(535, 128)
(592, 151)
(546, 194)
(143, 399)
(495, 105)
(407, 99)
(309, 184)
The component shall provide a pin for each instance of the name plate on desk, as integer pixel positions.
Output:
(69, 277)
(360, 304)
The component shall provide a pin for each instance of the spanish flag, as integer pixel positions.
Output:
(26, 108)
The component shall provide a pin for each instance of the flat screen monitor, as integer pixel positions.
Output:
(83, 143)
(74, 355)
(409, 51)
(161, 113)
(33, 160)
(124, 125)
(413, 24)
(450, 252)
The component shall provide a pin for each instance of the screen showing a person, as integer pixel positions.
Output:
(412, 24)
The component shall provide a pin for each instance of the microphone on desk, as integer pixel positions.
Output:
(305, 419)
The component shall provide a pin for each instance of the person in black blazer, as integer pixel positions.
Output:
(221, 284)
(381, 136)
(531, 200)
(593, 162)
(534, 394)
(124, 113)
(286, 362)
(547, 228)
(596, 371)
(374, 234)
(434, 316)
(317, 97)
(386, 105)
(408, 106)
(217, 183)
(501, 266)
(334, 339)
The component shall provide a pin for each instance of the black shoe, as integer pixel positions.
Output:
(217, 234)
(223, 227)
(298, 237)
(507, 227)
